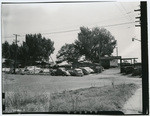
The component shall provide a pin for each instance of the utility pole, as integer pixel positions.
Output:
(15, 53)
(116, 48)
(139, 25)
(144, 47)
(99, 53)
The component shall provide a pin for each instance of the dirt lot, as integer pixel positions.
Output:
(51, 84)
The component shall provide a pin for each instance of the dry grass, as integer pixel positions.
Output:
(107, 98)
(26, 102)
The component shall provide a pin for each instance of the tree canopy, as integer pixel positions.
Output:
(35, 48)
(38, 47)
(92, 44)
(68, 53)
(95, 43)
(5, 50)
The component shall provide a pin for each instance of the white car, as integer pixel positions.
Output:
(89, 69)
(65, 71)
(78, 72)
(33, 69)
(5, 69)
(46, 70)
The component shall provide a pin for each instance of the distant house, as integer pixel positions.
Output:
(110, 61)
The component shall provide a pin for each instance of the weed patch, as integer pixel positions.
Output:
(107, 98)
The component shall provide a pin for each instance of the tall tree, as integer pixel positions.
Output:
(5, 49)
(68, 53)
(9, 53)
(12, 51)
(23, 55)
(39, 48)
(35, 48)
(95, 43)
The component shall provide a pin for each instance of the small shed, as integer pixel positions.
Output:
(111, 61)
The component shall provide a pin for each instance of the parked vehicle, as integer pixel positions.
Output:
(137, 71)
(78, 72)
(99, 69)
(32, 69)
(5, 69)
(72, 72)
(128, 69)
(19, 70)
(89, 69)
(63, 71)
(53, 72)
(46, 71)
(85, 71)
(60, 72)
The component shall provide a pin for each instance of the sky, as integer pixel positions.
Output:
(60, 22)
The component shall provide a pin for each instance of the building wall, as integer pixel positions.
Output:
(114, 63)
(105, 63)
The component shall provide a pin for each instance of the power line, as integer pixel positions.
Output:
(89, 28)
(119, 8)
(121, 11)
(119, 24)
(77, 29)
(112, 18)
(125, 10)
(73, 30)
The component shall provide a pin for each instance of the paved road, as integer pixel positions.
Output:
(50, 84)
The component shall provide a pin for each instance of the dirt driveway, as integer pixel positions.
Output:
(41, 83)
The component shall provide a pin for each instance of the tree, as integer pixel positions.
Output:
(5, 49)
(23, 56)
(68, 53)
(35, 48)
(9, 53)
(38, 48)
(95, 43)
